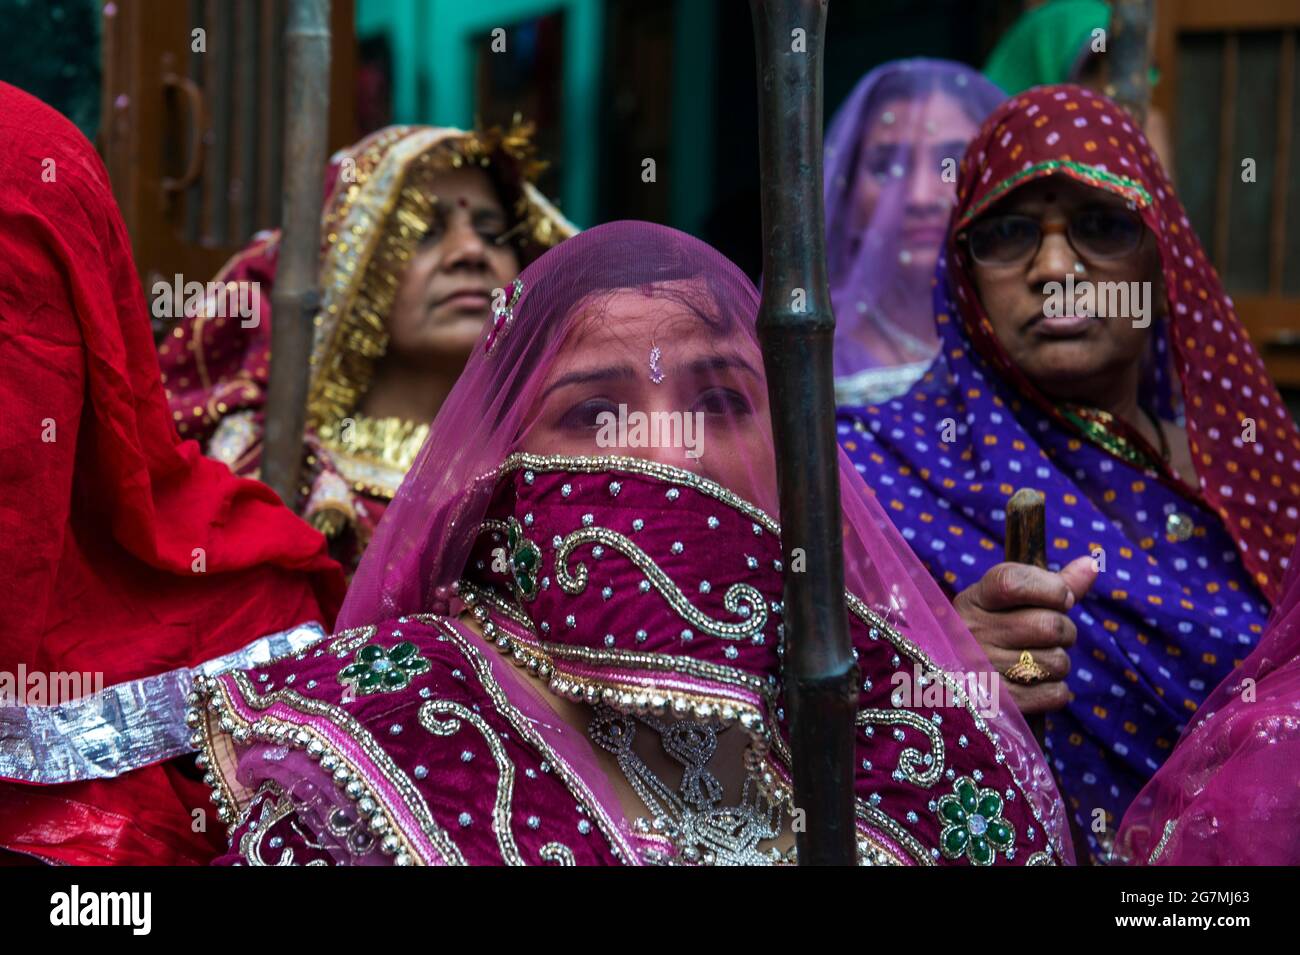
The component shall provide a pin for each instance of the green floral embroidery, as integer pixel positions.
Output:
(524, 558)
(973, 824)
(376, 670)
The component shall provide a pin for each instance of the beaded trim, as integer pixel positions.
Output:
(575, 582)
(527, 731)
(211, 695)
(911, 761)
(346, 641)
(250, 844)
(522, 460)
(530, 643)
(626, 696)
(214, 695)
(456, 715)
(874, 818)
(1130, 189)
(1165, 836)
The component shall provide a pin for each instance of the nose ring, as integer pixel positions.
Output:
(1078, 268)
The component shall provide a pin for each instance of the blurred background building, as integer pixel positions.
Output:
(193, 137)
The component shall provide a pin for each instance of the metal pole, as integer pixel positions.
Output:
(295, 298)
(1129, 62)
(796, 328)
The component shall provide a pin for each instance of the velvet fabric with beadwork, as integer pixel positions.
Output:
(532, 555)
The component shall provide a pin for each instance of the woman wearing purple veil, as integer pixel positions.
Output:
(890, 184)
(564, 644)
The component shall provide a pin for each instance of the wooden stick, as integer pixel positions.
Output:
(1027, 528)
(1026, 543)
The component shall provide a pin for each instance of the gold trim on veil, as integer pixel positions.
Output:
(371, 230)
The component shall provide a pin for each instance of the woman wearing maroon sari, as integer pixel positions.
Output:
(564, 646)
(124, 553)
(421, 226)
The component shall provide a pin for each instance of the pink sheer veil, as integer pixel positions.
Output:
(887, 204)
(1229, 794)
(701, 311)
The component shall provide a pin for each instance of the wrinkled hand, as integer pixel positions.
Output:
(1016, 607)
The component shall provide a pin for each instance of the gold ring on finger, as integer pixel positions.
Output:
(1026, 671)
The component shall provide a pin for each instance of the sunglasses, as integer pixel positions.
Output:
(1099, 234)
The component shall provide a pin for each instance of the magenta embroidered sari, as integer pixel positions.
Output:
(1229, 794)
(550, 544)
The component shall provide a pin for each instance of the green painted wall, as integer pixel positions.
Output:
(433, 71)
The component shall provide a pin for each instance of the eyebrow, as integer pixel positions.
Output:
(626, 372)
(720, 363)
(591, 376)
(477, 210)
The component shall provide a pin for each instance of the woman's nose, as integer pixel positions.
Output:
(925, 187)
(1054, 260)
(463, 247)
(675, 453)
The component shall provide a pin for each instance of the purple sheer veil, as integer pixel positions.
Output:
(888, 195)
(642, 316)
(1229, 794)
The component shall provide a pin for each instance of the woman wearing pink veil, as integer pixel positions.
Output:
(564, 644)
(890, 185)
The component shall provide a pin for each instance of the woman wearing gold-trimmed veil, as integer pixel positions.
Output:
(422, 227)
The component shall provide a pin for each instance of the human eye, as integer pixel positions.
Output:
(436, 230)
(490, 228)
(722, 400)
(585, 415)
(883, 162)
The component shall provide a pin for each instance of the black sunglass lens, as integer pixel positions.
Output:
(1106, 233)
(1001, 240)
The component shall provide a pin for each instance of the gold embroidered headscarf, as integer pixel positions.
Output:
(374, 223)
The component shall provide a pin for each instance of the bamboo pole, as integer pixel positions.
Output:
(796, 328)
(1129, 61)
(295, 298)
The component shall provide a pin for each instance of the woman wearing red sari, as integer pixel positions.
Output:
(421, 227)
(124, 553)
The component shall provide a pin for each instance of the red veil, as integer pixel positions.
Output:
(123, 551)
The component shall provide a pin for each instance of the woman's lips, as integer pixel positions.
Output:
(1062, 326)
(469, 298)
(924, 236)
